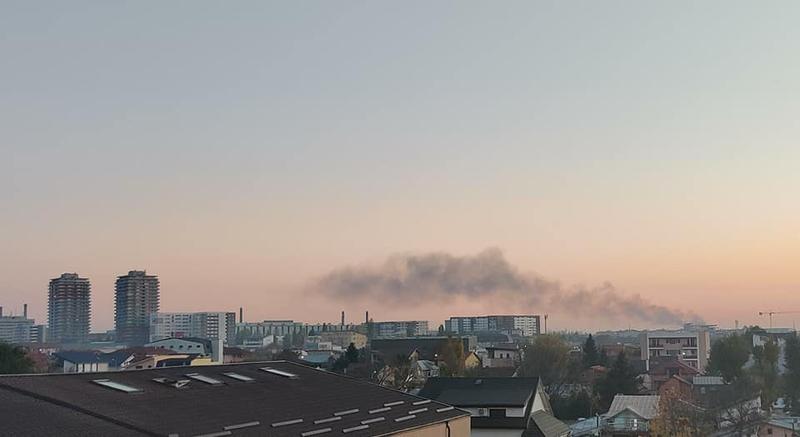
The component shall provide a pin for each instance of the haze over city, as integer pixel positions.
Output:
(255, 154)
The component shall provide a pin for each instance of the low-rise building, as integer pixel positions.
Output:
(193, 346)
(399, 329)
(498, 406)
(345, 338)
(631, 415)
(276, 399)
(198, 324)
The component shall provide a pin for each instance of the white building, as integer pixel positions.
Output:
(15, 329)
(693, 347)
(526, 325)
(399, 329)
(201, 325)
(191, 345)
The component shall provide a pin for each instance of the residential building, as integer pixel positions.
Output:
(16, 329)
(399, 329)
(69, 308)
(169, 360)
(780, 427)
(189, 345)
(136, 299)
(278, 399)
(525, 325)
(498, 407)
(693, 347)
(201, 324)
(630, 415)
(502, 356)
(344, 338)
(663, 369)
(81, 361)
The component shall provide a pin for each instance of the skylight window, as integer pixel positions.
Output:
(239, 377)
(203, 378)
(116, 386)
(279, 372)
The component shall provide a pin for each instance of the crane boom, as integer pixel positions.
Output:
(771, 313)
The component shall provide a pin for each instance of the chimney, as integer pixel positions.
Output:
(25, 311)
(342, 318)
(241, 314)
(367, 319)
(1, 311)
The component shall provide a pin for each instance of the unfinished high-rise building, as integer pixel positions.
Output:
(137, 297)
(69, 308)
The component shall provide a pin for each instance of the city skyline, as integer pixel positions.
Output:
(250, 151)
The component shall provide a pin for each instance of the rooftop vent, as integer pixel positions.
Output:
(442, 410)
(380, 410)
(116, 386)
(279, 372)
(239, 377)
(375, 420)
(327, 420)
(418, 410)
(422, 402)
(355, 428)
(203, 378)
(404, 418)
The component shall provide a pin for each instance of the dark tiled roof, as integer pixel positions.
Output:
(271, 404)
(480, 392)
(543, 424)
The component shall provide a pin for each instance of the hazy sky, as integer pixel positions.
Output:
(239, 150)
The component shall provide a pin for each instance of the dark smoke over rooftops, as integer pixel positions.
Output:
(437, 277)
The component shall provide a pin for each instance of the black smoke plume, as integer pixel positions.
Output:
(437, 277)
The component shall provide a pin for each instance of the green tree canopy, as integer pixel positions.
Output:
(728, 356)
(547, 358)
(620, 379)
(590, 355)
(13, 359)
(351, 354)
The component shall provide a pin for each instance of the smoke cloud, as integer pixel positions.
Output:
(439, 277)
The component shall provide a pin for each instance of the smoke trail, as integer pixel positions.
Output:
(405, 279)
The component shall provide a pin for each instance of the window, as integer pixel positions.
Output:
(203, 378)
(116, 386)
(497, 412)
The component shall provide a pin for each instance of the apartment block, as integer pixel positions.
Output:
(200, 324)
(526, 325)
(69, 308)
(136, 298)
(15, 329)
(693, 347)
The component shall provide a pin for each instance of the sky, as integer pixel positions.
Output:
(243, 150)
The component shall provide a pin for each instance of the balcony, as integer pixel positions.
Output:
(625, 426)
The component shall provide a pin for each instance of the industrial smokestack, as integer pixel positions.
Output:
(366, 320)
(342, 318)
(25, 311)
(1, 311)
(241, 315)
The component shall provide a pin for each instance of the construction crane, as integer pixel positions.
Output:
(772, 313)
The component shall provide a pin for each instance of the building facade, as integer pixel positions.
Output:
(344, 338)
(395, 329)
(136, 299)
(202, 324)
(16, 329)
(69, 308)
(526, 325)
(693, 347)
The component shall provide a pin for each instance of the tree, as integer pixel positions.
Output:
(287, 355)
(451, 354)
(547, 358)
(590, 356)
(351, 354)
(620, 379)
(728, 356)
(792, 376)
(764, 372)
(13, 359)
